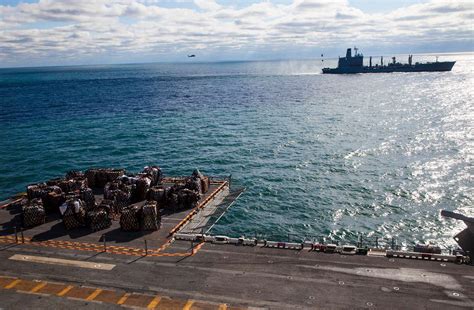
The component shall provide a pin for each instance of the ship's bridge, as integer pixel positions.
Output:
(351, 61)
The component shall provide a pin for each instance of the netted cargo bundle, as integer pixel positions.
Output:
(35, 190)
(172, 201)
(77, 184)
(130, 179)
(193, 183)
(100, 177)
(99, 219)
(65, 185)
(41, 191)
(150, 216)
(54, 182)
(69, 185)
(118, 192)
(110, 189)
(189, 198)
(90, 176)
(113, 174)
(179, 197)
(72, 195)
(142, 187)
(108, 206)
(87, 195)
(204, 181)
(74, 214)
(74, 174)
(205, 184)
(130, 218)
(122, 199)
(33, 213)
(53, 200)
(154, 173)
(156, 193)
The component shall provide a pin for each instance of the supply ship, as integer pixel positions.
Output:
(355, 64)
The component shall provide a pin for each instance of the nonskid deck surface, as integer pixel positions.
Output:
(246, 276)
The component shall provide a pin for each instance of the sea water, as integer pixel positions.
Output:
(320, 155)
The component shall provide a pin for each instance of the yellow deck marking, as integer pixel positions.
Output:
(123, 299)
(197, 248)
(65, 290)
(109, 296)
(12, 284)
(154, 302)
(38, 287)
(63, 262)
(188, 305)
(94, 294)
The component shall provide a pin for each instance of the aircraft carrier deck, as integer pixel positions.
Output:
(49, 267)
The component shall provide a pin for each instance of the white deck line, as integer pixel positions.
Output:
(61, 262)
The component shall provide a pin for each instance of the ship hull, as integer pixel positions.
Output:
(424, 67)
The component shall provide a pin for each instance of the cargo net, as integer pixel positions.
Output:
(119, 193)
(33, 213)
(130, 218)
(127, 189)
(74, 197)
(74, 214)
(154, 174)
(151, 219)
(56, 191)
(146, 217)
(181, 196)
(87, 195)
(97, 178)
(52, 198)
(99, 219)
(73, 181)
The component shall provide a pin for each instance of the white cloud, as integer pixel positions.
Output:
(69, 28)
(210, 5)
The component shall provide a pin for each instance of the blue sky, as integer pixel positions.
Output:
(57, 32)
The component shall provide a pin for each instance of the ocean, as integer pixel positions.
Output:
(320, 155)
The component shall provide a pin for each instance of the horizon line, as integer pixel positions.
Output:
(226, 61)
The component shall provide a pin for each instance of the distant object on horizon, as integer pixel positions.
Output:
(355, 64)
(191, 56)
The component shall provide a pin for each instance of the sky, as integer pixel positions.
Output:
(74, 32)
